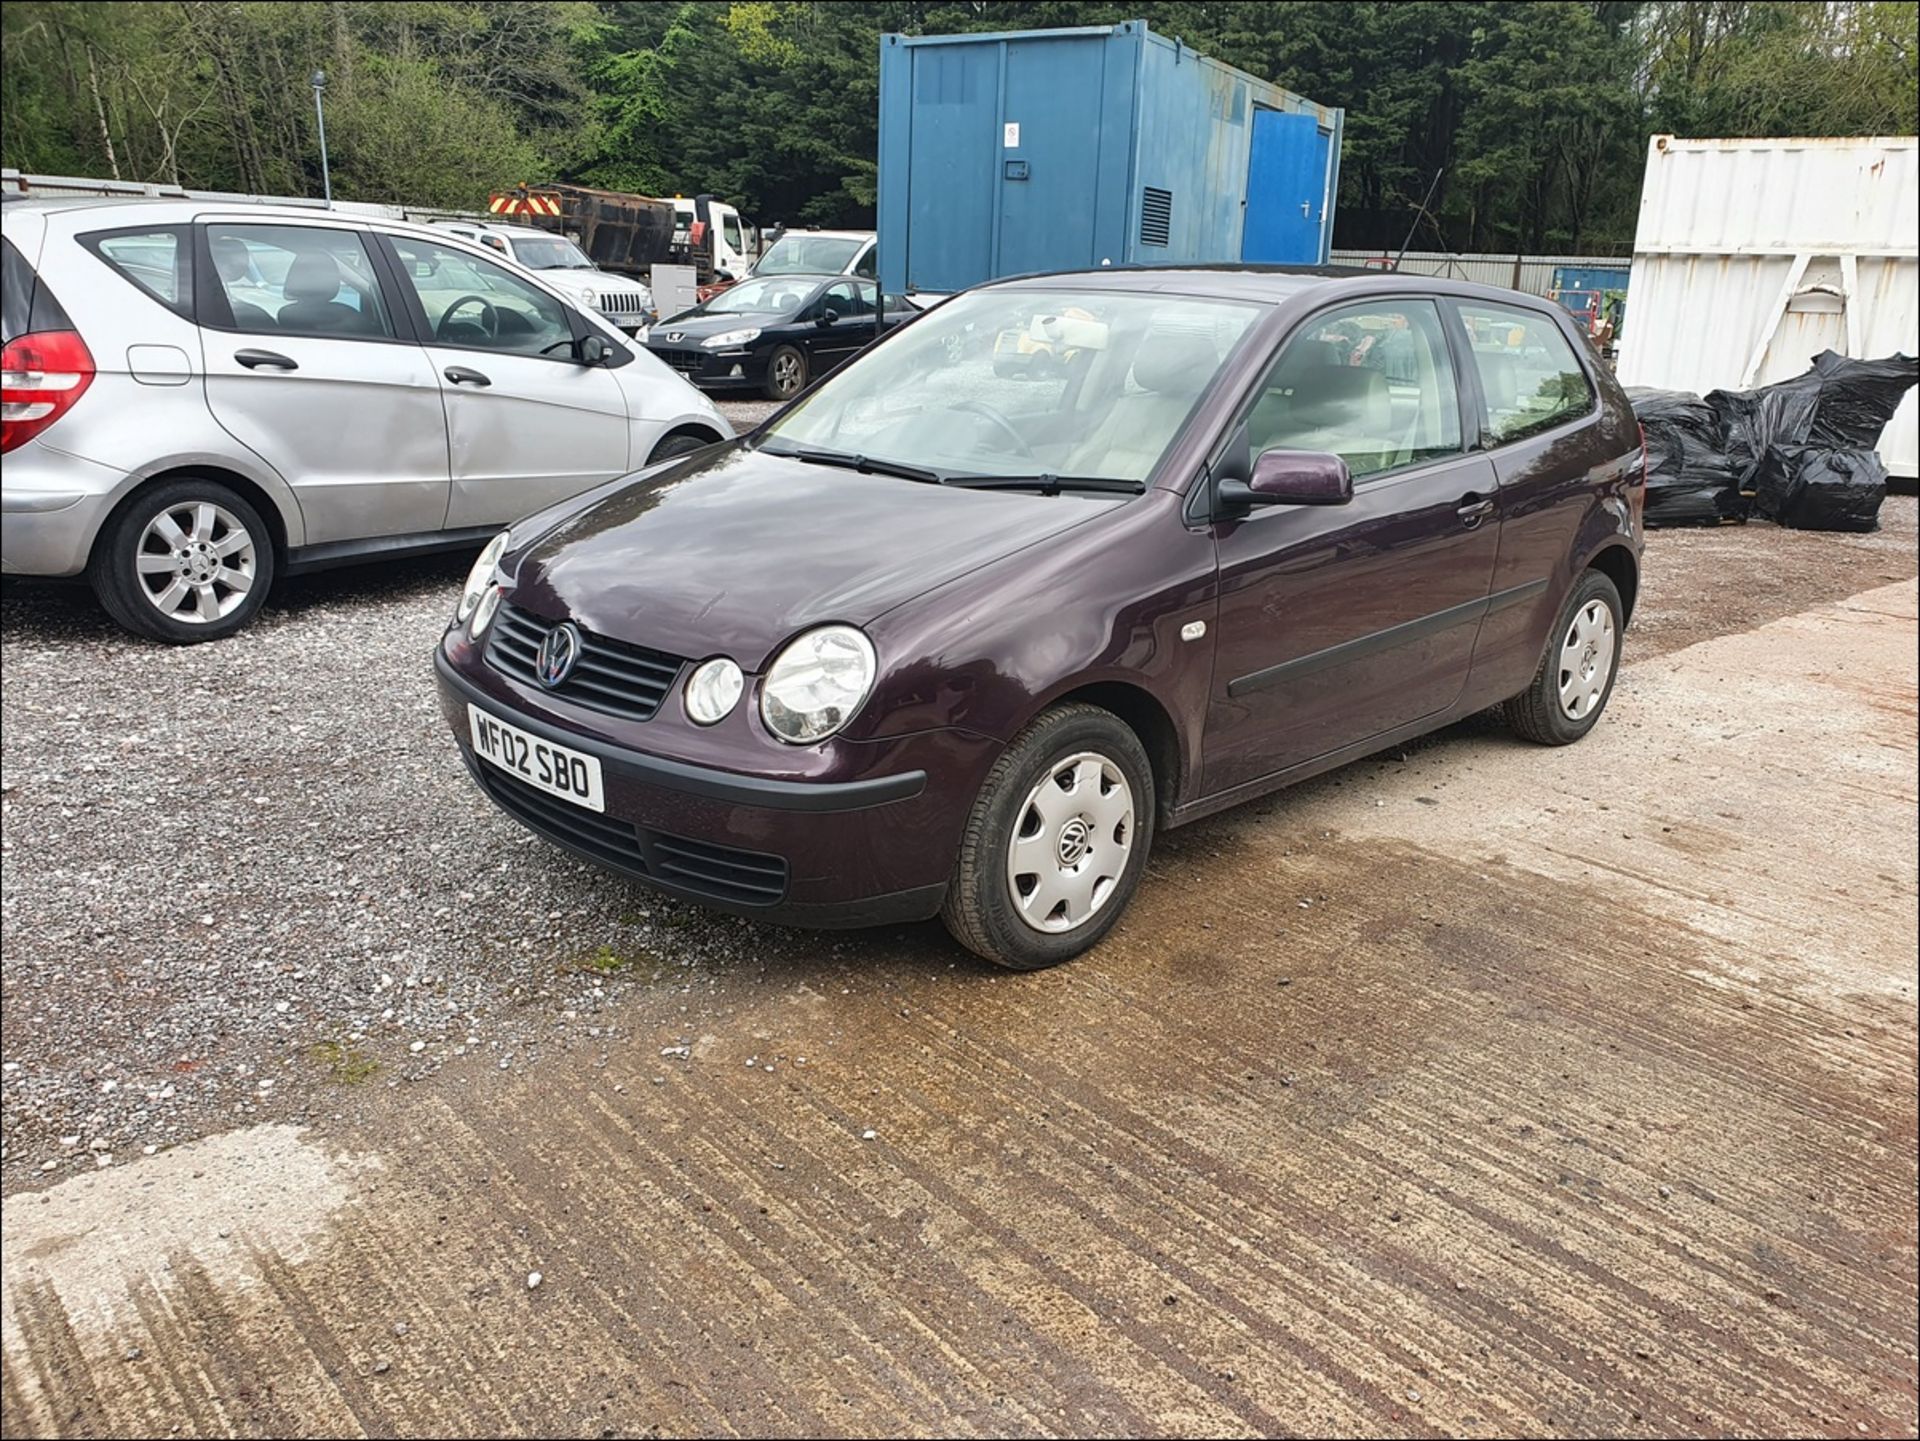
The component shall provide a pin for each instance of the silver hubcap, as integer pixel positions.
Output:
(786, 372)
(1586, 660)
(195, 562)
(1071, 840)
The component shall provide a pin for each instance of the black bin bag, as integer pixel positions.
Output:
(1817, 487)
(1688, 479)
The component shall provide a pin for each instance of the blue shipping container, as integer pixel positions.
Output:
(1035, 150)
(1590, 278)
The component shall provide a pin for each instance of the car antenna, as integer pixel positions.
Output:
(1422, 210)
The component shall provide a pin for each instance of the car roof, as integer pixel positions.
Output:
(1268, 284)
(828, 234)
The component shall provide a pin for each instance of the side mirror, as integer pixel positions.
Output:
(1289, 477)
(827, 317)
(592, 350)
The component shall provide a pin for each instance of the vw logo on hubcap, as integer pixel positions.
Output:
(1075, 840)
(558, 654)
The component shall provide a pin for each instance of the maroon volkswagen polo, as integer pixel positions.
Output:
(950, 637)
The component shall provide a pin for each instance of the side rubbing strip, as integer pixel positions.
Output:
(1388, 639)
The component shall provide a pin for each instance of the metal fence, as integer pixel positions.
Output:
(1530, 273)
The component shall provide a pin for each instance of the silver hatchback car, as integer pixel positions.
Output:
(200, 398)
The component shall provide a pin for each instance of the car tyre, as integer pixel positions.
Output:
(672, 445)
(1107, 767)
(786, 373)
(1576, 675)
(184, 561)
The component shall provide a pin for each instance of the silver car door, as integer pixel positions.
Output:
(529, 425)
(309, 365)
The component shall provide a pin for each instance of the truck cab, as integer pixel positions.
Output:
(731, 244)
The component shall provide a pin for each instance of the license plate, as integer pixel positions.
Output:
(568, 774)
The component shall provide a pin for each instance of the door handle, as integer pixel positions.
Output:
(1473, 509)
(271, 359)
(461, 375)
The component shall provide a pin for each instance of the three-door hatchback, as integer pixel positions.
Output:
(943, 639)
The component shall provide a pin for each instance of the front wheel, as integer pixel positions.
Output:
(681, 444)
(1056, 842)
(786, 373)
(186, 560)
(1576, 675)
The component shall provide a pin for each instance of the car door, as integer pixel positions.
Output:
(852, 306)
(310, 366)
(528, 424)
(1340, 623)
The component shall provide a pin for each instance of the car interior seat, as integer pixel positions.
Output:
(1169, 372)
(231, 259)
(312, 289)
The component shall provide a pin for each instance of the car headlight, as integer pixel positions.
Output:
(480, 577)
(713, 690)
(483, 612)
(816, 684)
(589, 295)
(642, 333)
(732, 337)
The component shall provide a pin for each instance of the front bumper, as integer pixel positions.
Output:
(715, 370)
(873, 849)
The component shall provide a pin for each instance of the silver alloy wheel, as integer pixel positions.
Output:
(786, 372)
(1586, 660)
(195, 562)
(1071, 839)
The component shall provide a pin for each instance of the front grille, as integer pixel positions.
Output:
(700, 868)
(623, 302)
(684, 361)
(612, 676)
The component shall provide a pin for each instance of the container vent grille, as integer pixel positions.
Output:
(1156, 216)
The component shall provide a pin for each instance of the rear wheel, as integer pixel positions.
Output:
(187, 560)
(1056, 842)
(786, 373)
(1576, 675)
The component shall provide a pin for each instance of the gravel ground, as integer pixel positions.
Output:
(246, 881)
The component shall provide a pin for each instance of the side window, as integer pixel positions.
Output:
(841, 300)
(868, 265)
(1528, 372)
(158, 261)
(730, 227)
(478, 305)
(298, 280)
(1372, 384)
(864, 295)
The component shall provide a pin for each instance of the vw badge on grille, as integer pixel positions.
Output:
(558, 654)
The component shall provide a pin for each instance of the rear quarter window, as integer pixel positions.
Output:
(30, 308)
(158, 261)
(1530, 377)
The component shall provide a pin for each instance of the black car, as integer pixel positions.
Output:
(774, 333)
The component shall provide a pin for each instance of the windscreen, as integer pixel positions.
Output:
(550, 253)
(809, 255)
(1093, 383)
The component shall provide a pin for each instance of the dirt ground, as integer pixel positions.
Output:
(1475, 1089)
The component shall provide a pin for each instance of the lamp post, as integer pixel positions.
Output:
(319, 82)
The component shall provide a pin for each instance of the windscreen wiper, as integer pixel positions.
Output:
(865, 464)
(1049, 484)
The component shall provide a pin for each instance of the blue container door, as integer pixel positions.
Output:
(1049, 139)
(953, 165)
(1286, 189)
